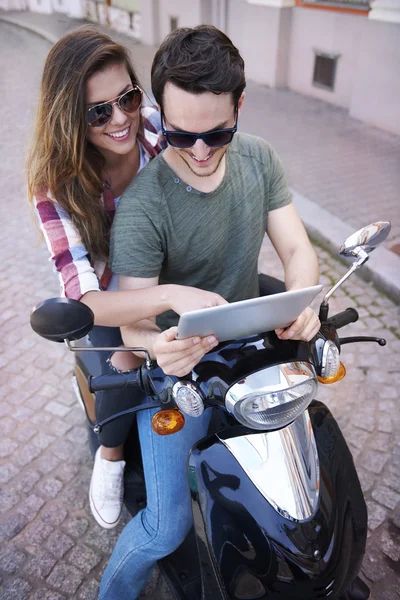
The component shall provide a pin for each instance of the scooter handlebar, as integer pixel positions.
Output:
(113, 382)
(350, 315)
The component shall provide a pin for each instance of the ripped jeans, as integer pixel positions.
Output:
(109, 402)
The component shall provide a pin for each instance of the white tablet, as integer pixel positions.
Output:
(247, 317)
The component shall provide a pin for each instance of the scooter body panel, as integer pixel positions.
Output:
(244, 541)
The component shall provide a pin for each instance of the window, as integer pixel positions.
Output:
(173, 23)
(325, 70)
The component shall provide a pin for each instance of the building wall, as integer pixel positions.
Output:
(331, 32)
(257, 31)
(376, 89)
(189, 14)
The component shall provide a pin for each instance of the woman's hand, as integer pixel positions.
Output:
(304, 328)
(185, 299)
(179, 357)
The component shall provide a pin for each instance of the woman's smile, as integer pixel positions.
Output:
(121, 135)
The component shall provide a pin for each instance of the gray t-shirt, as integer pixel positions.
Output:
(163, 227)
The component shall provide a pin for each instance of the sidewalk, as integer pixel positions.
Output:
(344, 174)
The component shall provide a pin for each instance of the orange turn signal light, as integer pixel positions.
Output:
(167, 421)
(339, 375)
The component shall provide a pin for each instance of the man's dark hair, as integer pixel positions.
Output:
(197, 60)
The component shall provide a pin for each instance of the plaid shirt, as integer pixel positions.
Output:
(77, 273)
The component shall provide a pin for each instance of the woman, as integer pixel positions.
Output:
(92, 137)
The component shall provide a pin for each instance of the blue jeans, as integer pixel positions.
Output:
(161, 527)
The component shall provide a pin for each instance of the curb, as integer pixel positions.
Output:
(383, 268)
(29, 27)
(330, 232)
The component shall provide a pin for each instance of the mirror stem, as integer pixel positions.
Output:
(362, 258)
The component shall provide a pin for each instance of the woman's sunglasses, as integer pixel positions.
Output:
(101, 114)
(186, 139)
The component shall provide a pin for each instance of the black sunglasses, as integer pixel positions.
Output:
(101, 114)
(186, 139)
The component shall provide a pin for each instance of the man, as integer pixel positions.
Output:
(198, 213)
(197, 216)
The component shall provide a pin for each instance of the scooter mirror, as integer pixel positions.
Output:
(367, 238)
(59, 319)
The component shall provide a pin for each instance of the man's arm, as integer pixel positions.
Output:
(300, 265)
(175, 357)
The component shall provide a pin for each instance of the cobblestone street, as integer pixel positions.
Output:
(51, 547)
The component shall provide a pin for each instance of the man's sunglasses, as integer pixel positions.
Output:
(101, 114)
(186, 139)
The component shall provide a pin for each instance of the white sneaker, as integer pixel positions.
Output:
(106, 490)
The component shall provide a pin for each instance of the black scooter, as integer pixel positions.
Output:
(278, 508)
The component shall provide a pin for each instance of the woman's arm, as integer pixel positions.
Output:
(126, 307)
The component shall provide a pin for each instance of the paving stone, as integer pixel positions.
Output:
(49, 391)
(74, 496)
(386, 497)
(7, 472)
(30, 506)
(76, 526)
(102, 539)
(89, 591)
(24, 434)
(374, 461)
(59, 543)
(390, 545)
(54, 514)
(40, 564)
(47, 463)
(57, 409)
(35, 535)
(8, 498)
(26, 480)
(11, 525)
(65, 578)
(49, 487)
(7, 447)
(385, 423)
(15, 589)
(381, 441)
(26, 454)
(376, 515)
(84, 558)
(43, 440)
(367, 479)
(66, 471)
(11, 559)
(8, 425)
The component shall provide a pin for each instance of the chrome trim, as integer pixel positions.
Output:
(272, 379)
(324, 359)
(284, 467)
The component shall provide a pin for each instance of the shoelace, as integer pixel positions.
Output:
(110, 485)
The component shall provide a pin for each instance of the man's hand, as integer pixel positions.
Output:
(185, 299)
(304, 328)
(179, 357)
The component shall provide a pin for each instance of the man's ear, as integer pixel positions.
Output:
(240, 103)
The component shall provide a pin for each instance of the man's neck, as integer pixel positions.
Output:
(202, 184)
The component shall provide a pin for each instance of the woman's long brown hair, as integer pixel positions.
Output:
(60, 158)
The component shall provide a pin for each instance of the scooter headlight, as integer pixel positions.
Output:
(188, 398)
(274, 397)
